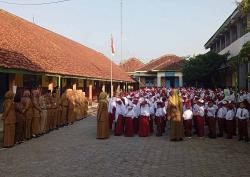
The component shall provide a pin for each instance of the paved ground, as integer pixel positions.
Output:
(75, 152)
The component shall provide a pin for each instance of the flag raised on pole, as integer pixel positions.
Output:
(112, 45)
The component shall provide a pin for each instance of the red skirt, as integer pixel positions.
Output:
(200, 126)
(129, 127)
(144, 128)
(212, 127)
(151, 124)
(188, 127)
(119, 126)
(229, 124)
(136, 125)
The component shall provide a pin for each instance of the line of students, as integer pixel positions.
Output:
(137, 112)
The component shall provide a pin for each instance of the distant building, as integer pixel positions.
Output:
(162, 72)
(230, 38)
(131, 65)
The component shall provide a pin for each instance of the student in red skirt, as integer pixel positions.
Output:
(188, 116)
(200, 119)
(120, 110)
(129, 125)
(160, 115)
(144, 129)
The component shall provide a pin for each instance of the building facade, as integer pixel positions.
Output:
(33, 57)
(162, 72)
(229, 39)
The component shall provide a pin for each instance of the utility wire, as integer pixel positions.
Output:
(34, 4)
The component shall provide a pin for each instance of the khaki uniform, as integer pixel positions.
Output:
(43, 122)
(49, 113)
(102, 117)
(64, 103)
(28, 113)
(9, 119)
(20, 119)
(36, 127)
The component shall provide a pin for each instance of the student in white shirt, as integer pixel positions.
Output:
(221, 117)
(242, 115)
(211, 112)
(160, 115)
(201, 119)
(188, 116)
(129, 116)
(229, 120)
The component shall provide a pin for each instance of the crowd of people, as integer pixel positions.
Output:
(189, 111)
(31, 113)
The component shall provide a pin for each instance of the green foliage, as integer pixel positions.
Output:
(244, 55)
(244, 6)
(202, 68)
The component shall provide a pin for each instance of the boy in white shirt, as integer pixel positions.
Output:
(201, 119)
(221, 115)
(242, 115)
(188, 116)
(229, 120)
(211, 112)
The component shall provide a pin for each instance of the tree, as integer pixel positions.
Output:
(244, 6)
(201, 70)
(244, 55)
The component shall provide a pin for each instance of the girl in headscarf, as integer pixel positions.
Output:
(175, 116)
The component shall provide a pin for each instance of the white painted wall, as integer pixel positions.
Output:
(236, 46)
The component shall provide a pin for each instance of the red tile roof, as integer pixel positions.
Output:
(131, 65)
(24, 45)
(164, 63)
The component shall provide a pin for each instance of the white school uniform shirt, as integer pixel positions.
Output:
(130, 113)
(112, 104)
(230, 114)
(187, 114)
(160, 112)
(120, 110)
(201, 111)
(195, 110)
(242, 113)
(137, 110)
(144, 111)
(211, 111)
(221, 114)
(152, 109)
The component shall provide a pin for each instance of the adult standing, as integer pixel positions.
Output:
(20, 119)
(102, 117)
(175, 116)
(9, 119)
(36, 120)
(28, 112)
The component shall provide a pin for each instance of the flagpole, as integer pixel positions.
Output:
(111, 70)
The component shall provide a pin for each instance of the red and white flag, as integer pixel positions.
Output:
(112, 45)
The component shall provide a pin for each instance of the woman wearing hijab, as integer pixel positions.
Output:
(175, 116)
(102, 117)
(9, 119)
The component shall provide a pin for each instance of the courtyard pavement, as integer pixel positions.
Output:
(74, 151)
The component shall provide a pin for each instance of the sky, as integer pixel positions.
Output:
(151, 28)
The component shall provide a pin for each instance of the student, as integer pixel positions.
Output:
(211, 112)
(129, 116)
(201, 119)
(242, 115)
(229, 121)
(144, 129)
(221, 114)
(160, 115)
(188, 116)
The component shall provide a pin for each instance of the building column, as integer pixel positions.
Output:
(180, 81)
(158, 80)
(90, 94)
(238, 26)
